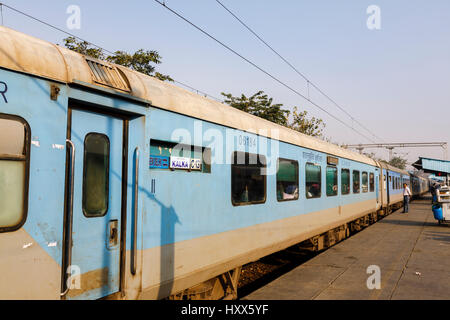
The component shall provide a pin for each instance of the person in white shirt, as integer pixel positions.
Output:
(406, 196)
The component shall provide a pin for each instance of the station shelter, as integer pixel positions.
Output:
(436, 167)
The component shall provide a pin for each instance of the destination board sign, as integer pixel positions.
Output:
(332, 160)
(159, 162)
(180, 163)
(196, 164)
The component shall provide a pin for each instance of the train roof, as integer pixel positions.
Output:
(27, 54)
(387, 166)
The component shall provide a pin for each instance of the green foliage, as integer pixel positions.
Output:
(83, 47)
(398, 162)
(312, 127)
(261, 106)
(140, 61)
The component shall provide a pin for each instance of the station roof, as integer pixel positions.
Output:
(429, 165)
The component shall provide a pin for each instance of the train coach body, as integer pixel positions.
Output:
(392, 185)
(172, 207)
(419, 185)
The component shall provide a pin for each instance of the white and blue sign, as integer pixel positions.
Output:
(180, 163)
(159, 162)
(196, 164)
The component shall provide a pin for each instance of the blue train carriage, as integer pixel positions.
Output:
(115, 184)
(392, 191)
(419, 185)
(72, 157)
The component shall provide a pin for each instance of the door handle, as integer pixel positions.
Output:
(113, 233)
(67, 255)
(135, 214)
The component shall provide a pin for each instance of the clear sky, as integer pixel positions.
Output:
(395, 81)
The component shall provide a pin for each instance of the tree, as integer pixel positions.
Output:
(140, 61)
(260, 105)
(398, 162)
(312, 127)
(83, 47)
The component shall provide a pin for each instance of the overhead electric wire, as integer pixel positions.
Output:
(309, 82)
(198, 91)
(259, 68)
(56, 28)
(210, 36)
(88, 42)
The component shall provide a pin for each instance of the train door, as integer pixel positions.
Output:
(97, 143)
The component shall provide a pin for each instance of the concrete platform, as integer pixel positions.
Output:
(412, 251)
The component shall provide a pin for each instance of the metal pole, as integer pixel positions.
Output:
(390, 153)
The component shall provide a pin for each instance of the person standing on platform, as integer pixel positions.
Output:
(406, 197)
(433, 192)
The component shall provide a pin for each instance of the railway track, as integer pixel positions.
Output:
(258, 274)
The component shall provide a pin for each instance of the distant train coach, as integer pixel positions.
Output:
(116, 185)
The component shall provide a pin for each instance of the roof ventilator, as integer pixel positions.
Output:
(108, 75)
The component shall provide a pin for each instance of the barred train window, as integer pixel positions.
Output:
(332, 181)
(313, 181)
(356, 181)
(287, 180)
(365, 182)
(372, 182)
(248, 179)
(96, 175)
(345, 181)
(14, 163)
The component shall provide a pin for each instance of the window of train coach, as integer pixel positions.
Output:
(356, 181)
(345, 181)
(332, 181)
(287, 180)
(248, 179)
(372, 182)
(365, 182)
(96, 175)
(161, 151)
(313, 180)
(14, 153)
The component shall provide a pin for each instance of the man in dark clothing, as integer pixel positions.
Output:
(433, 192)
